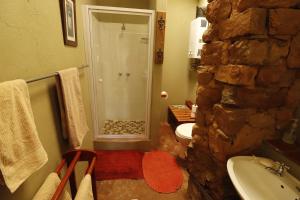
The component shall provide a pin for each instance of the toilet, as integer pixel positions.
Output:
(183, 133)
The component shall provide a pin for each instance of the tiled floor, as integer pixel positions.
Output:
(138, 189)
(121, 127)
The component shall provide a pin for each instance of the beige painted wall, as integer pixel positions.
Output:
(202, 3)
(31, 44)
(143, 4)
(177, 79)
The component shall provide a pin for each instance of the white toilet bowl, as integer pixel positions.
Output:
(183, 133)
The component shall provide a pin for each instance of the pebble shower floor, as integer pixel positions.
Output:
(123, 127)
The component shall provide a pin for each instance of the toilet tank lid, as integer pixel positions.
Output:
(185, 130)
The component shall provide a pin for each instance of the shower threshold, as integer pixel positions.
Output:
(123, 127)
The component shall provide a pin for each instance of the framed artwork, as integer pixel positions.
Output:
(68, 17)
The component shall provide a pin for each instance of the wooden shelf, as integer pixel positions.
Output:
(179, 114)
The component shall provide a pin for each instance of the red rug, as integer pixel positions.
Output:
(161, 172)
(119, 165)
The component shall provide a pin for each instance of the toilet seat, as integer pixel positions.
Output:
(185, 130)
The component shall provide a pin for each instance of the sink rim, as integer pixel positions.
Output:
(238, 185)
(232, 176)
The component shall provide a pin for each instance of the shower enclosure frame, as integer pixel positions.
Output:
(88, 11)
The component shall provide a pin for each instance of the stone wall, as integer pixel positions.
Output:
(249, 85)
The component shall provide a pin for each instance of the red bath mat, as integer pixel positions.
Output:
(161, 172)
(119, 165)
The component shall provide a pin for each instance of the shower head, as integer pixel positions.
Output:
(123, 27)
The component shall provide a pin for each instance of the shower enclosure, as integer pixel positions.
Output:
(119, 49)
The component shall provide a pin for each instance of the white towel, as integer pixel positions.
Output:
(21, 152)
(72, 108)
(85, 191)
(49, 187)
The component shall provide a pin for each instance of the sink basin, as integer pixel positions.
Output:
(254, 182)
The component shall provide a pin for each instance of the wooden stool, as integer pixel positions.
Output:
(179, 114)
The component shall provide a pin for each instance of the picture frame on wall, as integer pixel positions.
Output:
(68, 17)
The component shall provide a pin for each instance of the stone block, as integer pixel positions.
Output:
(207, 97)
(231, 120)
(251, 21)
(205, 74)
(270, 75)
(284, 21)
(202, 167)
(218, 10)
(193, 191)
(234, 8)
(283, 117)
(293, 96)
(199, 130)
(278, 50)
(282, 37)
(229, 96)
(215, 53)
(209, 118)
(248, 52)
(211, 34)
(297, 74)
(293, 60)
(200, 138)
(287, 78)
(263, 98)
(236, 75)
(215, 84)
(246, 140)
(262, 120)
(219, 144)
(244, 4)
(200, 118)
(277, 75)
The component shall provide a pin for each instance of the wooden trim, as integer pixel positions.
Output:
(60, 167)
(64, 181)
(71, 158)
(160, 37)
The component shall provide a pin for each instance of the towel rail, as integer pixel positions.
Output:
(66, 177)
(60, 166)
(49, 75)
(71, 158)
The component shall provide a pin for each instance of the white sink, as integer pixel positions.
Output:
(254, 182)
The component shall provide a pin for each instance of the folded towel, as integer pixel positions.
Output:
(49, 187)
(72, 109)
(21, 152)
(85, 191)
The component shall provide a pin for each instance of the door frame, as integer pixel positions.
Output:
(88, 11)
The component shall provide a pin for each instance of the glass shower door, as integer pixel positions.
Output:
(121, 50)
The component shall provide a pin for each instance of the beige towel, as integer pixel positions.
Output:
(72, 112)
(21, 152)
(49, 187)
(85, 191)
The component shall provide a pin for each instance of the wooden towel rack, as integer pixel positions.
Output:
(71, 158)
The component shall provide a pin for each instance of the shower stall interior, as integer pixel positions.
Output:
(119, 43)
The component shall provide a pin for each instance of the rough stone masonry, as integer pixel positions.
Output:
(248, 86)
